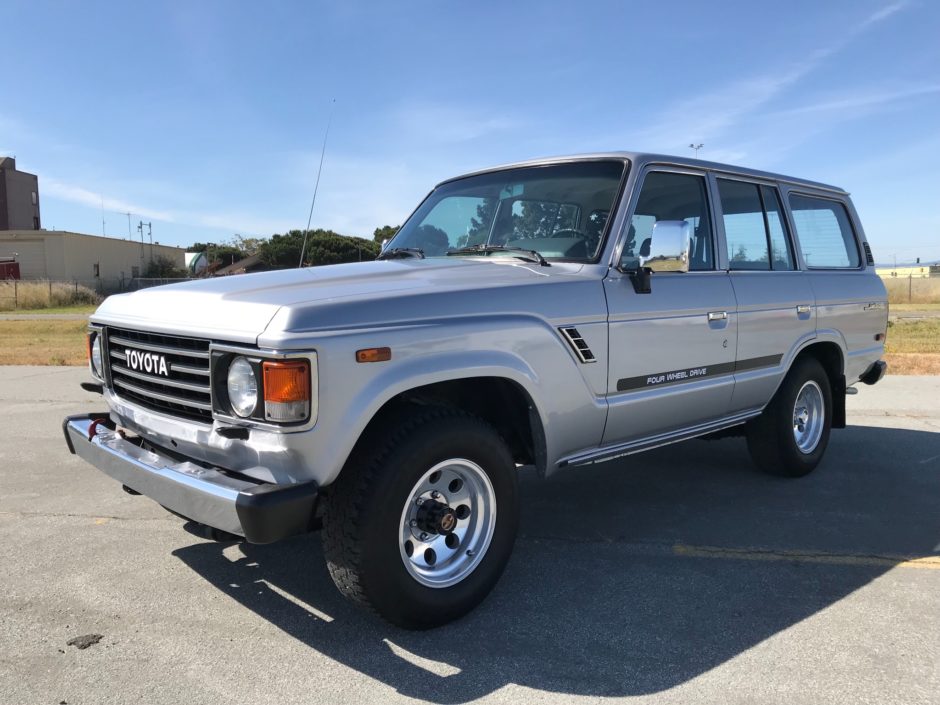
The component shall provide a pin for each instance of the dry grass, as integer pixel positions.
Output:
(30, 295)
(913, 363)
(42, 342)
(912, 291)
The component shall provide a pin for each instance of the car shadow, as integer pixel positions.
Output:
(617, 586)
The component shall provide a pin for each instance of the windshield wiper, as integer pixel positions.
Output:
(400, 252)
(534, 255)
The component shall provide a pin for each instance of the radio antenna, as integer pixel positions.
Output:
(316, 187)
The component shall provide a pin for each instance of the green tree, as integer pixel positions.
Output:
(163, 268)
(323, 247)
(386, 232)
(224, 253)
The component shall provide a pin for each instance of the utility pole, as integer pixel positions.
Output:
(696, 147)
(150, 235)
(140, 229)
(129, 236)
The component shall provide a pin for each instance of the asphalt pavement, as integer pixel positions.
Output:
(677, 576)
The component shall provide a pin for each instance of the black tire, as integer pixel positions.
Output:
(363, 514)
(770, 437)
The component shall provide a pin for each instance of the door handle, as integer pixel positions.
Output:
(802, 309)
(717, 316)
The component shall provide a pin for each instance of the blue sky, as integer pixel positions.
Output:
(207, 117)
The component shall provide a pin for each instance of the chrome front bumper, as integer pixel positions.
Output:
(261, 512)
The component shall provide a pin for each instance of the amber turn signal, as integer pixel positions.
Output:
(286, 381)
(374, 355)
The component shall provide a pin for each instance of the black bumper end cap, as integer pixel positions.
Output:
(269, 513)
(874, 373)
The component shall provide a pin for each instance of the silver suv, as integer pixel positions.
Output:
(553, 313)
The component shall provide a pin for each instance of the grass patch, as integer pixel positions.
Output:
(913, 347)
(32, 295)
(43, 342)
(919, 336)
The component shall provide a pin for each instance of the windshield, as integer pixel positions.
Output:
(560, 211)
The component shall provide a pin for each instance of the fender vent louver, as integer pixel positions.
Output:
(868, 255)
(579, 345)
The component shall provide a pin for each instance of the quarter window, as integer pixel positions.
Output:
(825, 232)
(753, 227)
(671, 196)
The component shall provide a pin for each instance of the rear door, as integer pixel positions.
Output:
(671, 351)
(850, 298)
(775, 302)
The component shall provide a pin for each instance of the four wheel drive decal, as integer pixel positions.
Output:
(690, 374)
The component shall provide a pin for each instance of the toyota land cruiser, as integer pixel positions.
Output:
(552, 313)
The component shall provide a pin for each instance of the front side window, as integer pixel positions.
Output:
(825, 232)
(670, 196)
(560, 210)
(754, 230)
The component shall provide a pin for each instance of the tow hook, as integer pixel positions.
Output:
(93, 428)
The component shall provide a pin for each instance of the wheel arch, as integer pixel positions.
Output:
(502, 402)
(831, 355)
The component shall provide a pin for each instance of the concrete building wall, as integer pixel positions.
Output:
(66, 256)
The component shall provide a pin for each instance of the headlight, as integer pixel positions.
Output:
(242, 387)
(95, 355)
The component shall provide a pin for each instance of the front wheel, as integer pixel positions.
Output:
(420, 526)
(790, 437)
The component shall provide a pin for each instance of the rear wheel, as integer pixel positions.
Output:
(790, 437)
(420, 526)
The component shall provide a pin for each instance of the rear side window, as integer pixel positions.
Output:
(825, 232)
(753, 227)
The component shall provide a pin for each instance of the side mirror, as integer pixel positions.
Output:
(666, 250)
(384, 245)
(669, 247)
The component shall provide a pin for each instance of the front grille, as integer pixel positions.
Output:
(184, 393)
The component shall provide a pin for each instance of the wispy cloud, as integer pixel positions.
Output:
(883, 14)
(449, 123)
(245, 223)
(77, 194)
(862, 101)
(711, 115)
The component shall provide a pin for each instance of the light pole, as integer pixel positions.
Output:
(696, 147)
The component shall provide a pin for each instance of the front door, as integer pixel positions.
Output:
(672, 350)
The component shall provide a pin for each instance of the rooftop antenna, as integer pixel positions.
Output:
(316, 187)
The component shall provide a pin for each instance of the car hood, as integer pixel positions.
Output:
(240, 308)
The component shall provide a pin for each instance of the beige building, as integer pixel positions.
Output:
(904, 271)
(64, 256)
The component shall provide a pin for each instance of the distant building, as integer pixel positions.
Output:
(65, 256)
(918, 271)
(19, 197)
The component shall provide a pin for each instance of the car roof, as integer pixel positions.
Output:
(642, 159)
